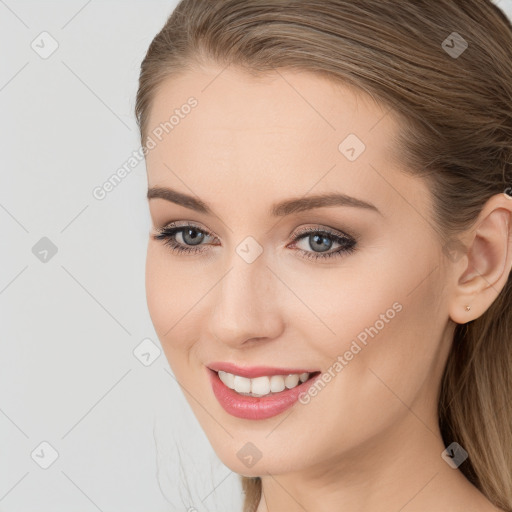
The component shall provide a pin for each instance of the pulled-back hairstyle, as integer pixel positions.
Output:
(456, 120)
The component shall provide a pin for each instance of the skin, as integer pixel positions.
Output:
(370, 439)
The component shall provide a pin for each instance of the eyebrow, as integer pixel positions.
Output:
(280, 209)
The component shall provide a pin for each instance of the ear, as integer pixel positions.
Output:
(485, 269)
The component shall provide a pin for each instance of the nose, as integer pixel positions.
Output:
(246, 303)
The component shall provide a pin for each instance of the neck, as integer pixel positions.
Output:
(402, 470)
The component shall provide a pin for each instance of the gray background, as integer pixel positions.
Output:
(70, 321)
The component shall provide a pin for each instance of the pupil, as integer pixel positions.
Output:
(195, 239)
(319, 239)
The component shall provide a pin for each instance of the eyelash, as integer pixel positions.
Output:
(347, 243)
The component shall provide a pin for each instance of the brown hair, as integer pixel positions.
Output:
(456, 113)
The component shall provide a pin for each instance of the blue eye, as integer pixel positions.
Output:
(189, 234)
(318, 239)
(192, 237)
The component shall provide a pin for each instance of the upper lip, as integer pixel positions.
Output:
(255, 371)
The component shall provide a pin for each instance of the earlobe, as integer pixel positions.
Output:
(463, 315)
(488, 261)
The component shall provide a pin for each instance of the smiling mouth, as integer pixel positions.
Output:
(263, 385)
(258, 392)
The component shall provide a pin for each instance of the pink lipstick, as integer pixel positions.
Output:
(258, 407)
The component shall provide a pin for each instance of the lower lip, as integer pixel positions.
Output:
(254, 408)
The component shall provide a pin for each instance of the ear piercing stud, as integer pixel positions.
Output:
(468, 308)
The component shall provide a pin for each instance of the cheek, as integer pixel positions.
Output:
(375, 321)
(389, 334)
(384, 353)
(356, 301)
(159, 298)
(171, 294)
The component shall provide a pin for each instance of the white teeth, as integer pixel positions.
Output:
(276, 383)
(242, 384)
(261, 386)
(228, 379)
(291, 381)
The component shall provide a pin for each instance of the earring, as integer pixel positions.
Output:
(468, 308)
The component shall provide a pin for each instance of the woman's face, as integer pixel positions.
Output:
(357, 292)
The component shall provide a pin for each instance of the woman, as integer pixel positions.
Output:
(328, 269)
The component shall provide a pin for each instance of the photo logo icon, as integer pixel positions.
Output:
(147, 352)
(44, 455)
(249, 454)
(352, 147)
(249, 249)
(454, 455)
(454, 45)
(44, 250)
(44, 45)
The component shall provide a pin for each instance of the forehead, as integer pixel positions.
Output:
(299, 103)
(283, 131)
